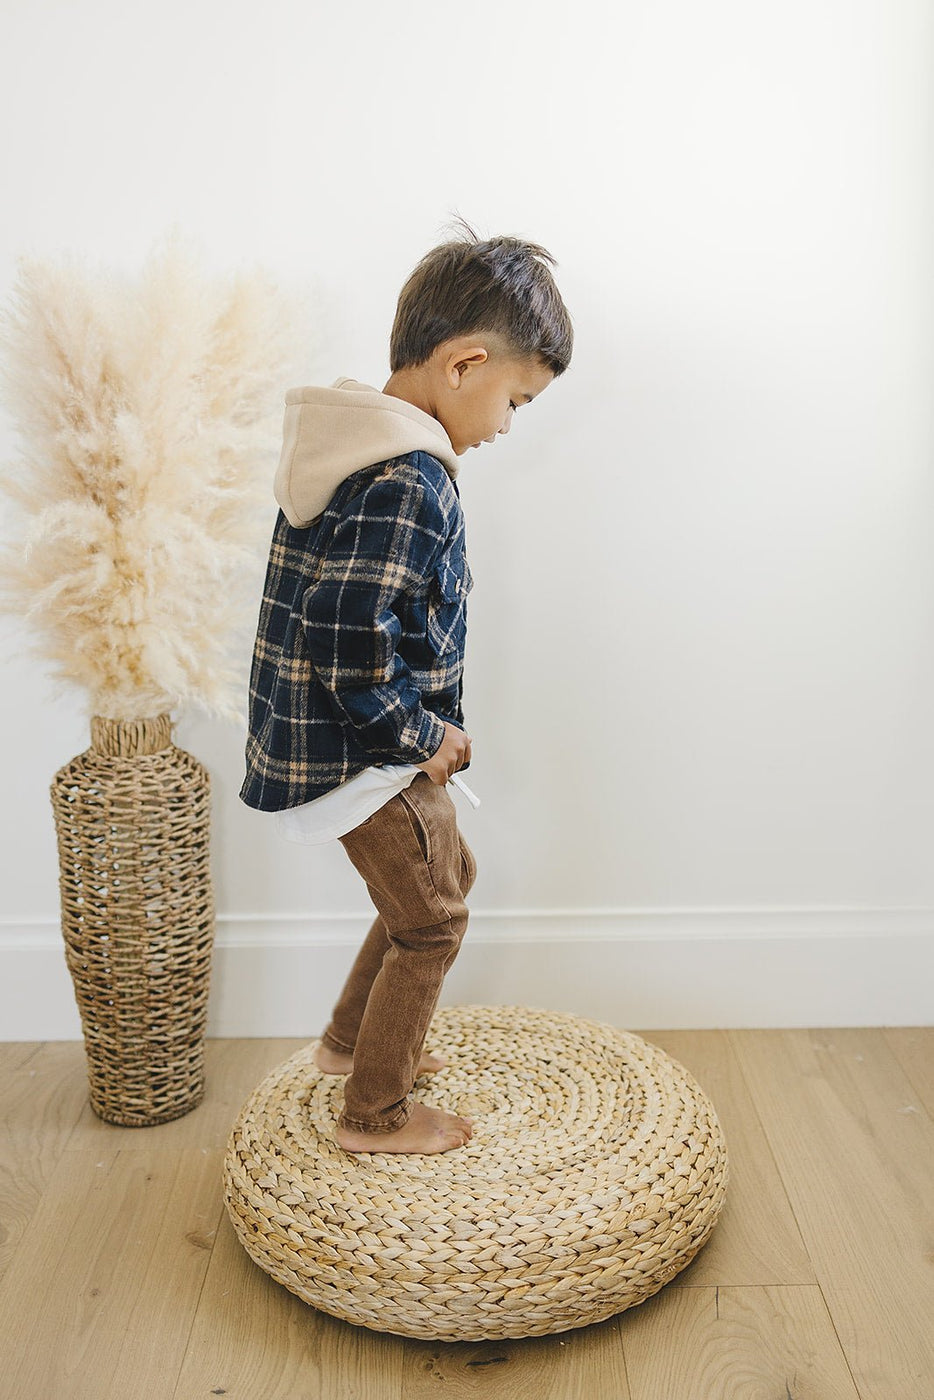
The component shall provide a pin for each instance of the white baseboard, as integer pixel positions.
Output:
(664, 969)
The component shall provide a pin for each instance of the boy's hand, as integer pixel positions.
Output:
(453, 753)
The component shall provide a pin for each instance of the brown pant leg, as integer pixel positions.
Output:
(417, 869)
(344, 1025)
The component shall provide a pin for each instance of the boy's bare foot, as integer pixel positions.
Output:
(427, 1130)
(333, 1062)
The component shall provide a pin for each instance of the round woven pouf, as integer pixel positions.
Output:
(596, 1171)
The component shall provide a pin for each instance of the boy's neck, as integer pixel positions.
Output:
(411, 386)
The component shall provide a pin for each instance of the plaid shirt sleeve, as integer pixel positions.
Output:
(383, 547)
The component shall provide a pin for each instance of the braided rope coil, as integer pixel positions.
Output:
(596, 1171)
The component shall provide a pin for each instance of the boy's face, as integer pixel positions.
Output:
(477, 390)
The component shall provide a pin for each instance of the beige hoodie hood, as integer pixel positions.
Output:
(329, 433)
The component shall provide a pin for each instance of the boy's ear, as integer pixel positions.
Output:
(473, 355)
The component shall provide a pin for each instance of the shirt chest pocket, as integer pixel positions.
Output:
(447, 624)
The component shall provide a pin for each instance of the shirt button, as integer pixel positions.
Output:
(458, 585)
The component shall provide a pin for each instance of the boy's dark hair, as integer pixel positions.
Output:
(497, 285)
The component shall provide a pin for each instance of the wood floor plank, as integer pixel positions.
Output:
(15, 1053)
(857, 1169)
(913, 1047)
(584, 1363)
(756, 1238)
(99, 1299)
(42, 1092)
(735, 1344)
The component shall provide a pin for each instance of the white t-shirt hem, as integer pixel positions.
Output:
(338, 811)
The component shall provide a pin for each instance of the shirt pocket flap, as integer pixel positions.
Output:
(447, 583)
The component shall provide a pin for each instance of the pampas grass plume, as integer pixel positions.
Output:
(150, 412)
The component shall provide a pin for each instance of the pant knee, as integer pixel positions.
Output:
(439, 940)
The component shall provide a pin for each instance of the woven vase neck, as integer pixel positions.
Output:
(127, 738)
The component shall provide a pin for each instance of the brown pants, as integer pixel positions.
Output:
(418, 869)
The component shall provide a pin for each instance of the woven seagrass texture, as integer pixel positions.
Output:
(132, 819)
(596, 1171)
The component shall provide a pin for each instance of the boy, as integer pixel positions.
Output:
(356, 722)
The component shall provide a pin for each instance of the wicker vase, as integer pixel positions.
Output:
(132, 817)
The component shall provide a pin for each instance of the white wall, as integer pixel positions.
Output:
(700, 671)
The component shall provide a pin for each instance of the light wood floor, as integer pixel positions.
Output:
(122, 1276)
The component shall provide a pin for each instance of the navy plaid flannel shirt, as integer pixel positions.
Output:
(359, 650)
